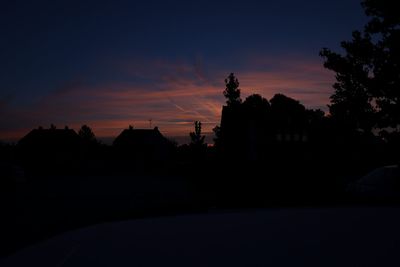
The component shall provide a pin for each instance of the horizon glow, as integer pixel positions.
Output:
(110, 64)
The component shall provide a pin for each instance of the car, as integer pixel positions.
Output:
(381, 183)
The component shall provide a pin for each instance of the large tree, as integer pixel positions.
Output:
(367, 88)
(257, 102)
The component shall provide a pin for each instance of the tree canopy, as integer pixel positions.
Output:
(257, 102)
(367, 87)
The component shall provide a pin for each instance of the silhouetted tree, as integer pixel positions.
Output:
(87, 134)
(196, 138)
(315, 114)
(257, 111)
(367, 77)
(257, 104)
(284, 104)
(287, 112)
(232, 91)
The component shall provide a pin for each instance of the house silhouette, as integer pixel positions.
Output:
(47, 148)
(143, 144)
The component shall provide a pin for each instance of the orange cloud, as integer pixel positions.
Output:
(172, 96)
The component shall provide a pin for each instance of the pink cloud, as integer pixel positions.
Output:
(176, 95)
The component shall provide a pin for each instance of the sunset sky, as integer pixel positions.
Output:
(110, 64)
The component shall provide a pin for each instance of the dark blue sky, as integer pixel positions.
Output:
(56, 56)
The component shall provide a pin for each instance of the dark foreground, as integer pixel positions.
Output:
(352, 236)
(34, 209)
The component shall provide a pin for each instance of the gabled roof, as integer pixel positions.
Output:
(50, 137)
(140, 137)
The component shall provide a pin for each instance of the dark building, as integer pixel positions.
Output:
(253, 132)
(50, 148)
(143, 144)
(233, 131)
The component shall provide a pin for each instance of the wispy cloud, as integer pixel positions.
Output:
(171, 94)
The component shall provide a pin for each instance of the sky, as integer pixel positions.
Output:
(111, 64)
